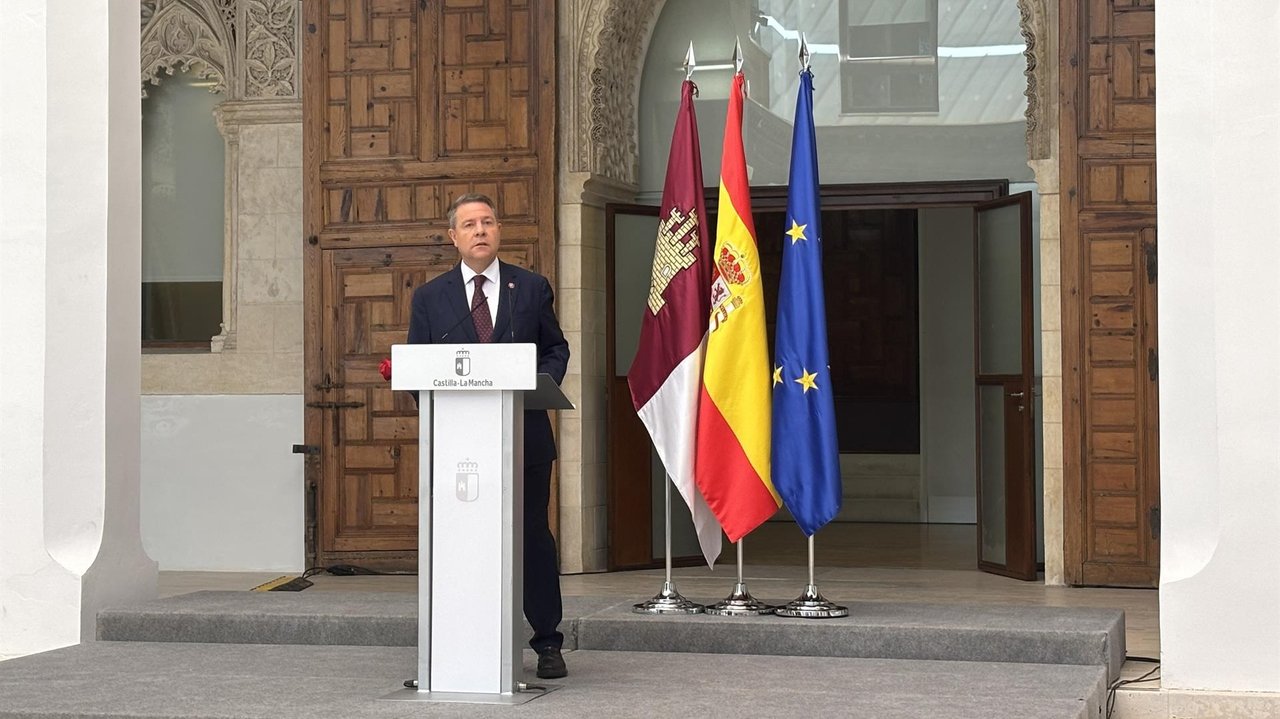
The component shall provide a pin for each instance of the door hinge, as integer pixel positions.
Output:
(335, 405)
(1154, 517)
(1153, 365)
(1149, 251)
(306, 449)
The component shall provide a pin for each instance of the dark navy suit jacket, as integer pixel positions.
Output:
(525, 314)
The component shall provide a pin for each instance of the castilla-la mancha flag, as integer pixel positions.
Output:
(732, 462)
(666, 375)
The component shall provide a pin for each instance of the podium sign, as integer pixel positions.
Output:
(463, 367)
(470, 514)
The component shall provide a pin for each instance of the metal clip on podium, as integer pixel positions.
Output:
(471, 406)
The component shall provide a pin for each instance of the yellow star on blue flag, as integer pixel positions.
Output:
(796, 232)
(806, 380)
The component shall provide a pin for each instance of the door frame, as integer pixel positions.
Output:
(630, 533)
(869, 196)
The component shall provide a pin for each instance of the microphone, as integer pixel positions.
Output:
(511, 308)
(465, 317)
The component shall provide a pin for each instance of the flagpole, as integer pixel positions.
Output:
(740, 603)
(669, 600)
(811, 604)
(666, 374)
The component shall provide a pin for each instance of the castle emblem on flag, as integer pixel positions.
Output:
(467, 481)
(462, 363)
(675, 250)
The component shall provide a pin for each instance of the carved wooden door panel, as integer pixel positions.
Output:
(369, 492)
(1111, 450)
(406, 105)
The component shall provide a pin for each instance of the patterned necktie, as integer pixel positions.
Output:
(480, 315)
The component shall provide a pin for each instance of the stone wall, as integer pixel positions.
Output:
(249, 48)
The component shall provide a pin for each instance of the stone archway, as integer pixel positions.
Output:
(602, 52)
(602, 49)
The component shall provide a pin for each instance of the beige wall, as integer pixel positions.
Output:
(581, 305)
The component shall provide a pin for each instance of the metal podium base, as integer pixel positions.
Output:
(811, 605)
(740, 603)
(668, 601)
(512, 699)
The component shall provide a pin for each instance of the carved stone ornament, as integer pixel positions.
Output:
(271, 48)
(612, 36)
(187, 35)
(148, 12)
(1035, 28)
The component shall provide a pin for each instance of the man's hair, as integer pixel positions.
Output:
(464, 199)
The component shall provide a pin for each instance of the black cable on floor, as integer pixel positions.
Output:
(351, 570)
(1111, 692)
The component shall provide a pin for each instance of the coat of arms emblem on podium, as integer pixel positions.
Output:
(462, 363)
(467, 483)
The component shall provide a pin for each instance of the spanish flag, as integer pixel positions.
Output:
(732, 460)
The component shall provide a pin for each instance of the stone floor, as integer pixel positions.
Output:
(925, 563)
(896, 563)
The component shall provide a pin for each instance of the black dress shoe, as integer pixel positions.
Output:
(551, 664)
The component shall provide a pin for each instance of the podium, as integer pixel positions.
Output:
(471, 406)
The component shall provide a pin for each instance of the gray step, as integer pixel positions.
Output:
(882, 630)
(128, 680)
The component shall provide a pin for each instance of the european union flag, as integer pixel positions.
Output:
(806, 459)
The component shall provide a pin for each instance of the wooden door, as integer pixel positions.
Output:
(370, 466)
(406, 105)
(1111, 483)
(1005, 365)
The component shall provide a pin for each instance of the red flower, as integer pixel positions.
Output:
(384, 368)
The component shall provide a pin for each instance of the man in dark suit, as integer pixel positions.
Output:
(484, 300)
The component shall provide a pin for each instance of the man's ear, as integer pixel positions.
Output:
(453, 237)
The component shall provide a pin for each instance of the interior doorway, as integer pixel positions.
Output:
(910, 269)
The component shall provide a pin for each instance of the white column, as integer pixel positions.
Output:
(70, 142)
(1218, 144)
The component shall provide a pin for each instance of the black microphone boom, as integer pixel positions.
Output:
(465, 317)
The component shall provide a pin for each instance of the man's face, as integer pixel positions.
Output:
(476, 234)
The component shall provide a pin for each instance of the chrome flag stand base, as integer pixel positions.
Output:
(668, 601)
(739, 603)
(811, 604)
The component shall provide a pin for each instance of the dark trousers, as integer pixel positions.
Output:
(542, 605)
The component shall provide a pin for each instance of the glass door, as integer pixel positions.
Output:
(1004, 384)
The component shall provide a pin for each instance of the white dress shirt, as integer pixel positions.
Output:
(491, 288)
